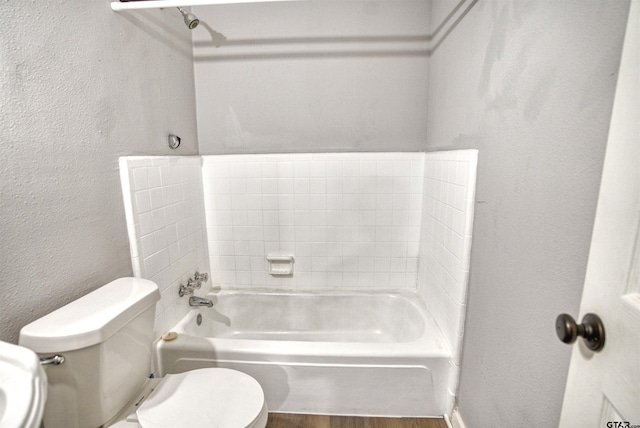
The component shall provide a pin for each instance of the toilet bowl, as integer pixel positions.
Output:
(106, 339)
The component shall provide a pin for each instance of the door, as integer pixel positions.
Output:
(603, 388)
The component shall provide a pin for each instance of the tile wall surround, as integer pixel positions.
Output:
(351, 220)
(445, 244)
(165, 221)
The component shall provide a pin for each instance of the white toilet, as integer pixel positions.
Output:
(106, 339)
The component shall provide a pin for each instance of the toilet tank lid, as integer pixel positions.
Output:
(91, 319)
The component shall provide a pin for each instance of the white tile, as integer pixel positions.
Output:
(318, 218)
(317, 185)
(301, 169)
(402, 168)
(254, 185)
(222, 186)
(334, 249)
(415, 185)
(366, 248)
(397, 280)
(302, 234)
(400, 218)
(351, 185)
(317, 169)
(400, 234)
(256, 248)
(334, 169)
(142, 201)
(350, 168)
(243, 278)
(335, 218)
(318, 264)
(385, 168)
(317, 202)
(281, 202)
(401, 201)
(302, 217)
(145, 222)
(383, 249)
(384, 201)
(401, 185)
(367, 218)
(140, 179)
(269, 202)
(367, 202)
(461, 175)
(384, 217)
(398, 265)
(156, 199)
(238, 186)
(417, 167)
(287, 234)
(171, 215)
(367, 168)
(286, 218)
(274, 185)
(153, 177)
(334, 185)
(171, 233)
(413, 249)
(237, 170)
(384, 185)
(270, 218)
(285, 169)
(367, 234)
(412, 265)
(350, 279)
(334, 202)
(241, 248)
(399, 249)
(243, 263)
(148, 245)
(301, 186)
(253, 202)
(367, 185)
(271, 233)
(383, 264)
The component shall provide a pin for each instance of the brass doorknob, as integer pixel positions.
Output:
(591, 330)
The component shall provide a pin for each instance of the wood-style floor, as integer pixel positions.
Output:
(288, 420)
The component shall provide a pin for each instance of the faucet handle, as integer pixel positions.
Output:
(201, 277)
(193, 284)
(183, 291)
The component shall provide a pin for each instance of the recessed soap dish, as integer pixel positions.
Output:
(280, 264)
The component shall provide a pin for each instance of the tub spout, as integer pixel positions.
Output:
(199, 301)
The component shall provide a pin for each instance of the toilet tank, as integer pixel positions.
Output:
(105, 338)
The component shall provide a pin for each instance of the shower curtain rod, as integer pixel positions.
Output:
(156, 4)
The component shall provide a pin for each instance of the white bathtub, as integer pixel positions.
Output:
(350, 354)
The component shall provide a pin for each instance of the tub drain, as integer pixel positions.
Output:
(199, 319)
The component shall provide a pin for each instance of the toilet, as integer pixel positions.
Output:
(106, 339)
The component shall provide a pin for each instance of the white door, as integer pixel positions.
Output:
(603, 388)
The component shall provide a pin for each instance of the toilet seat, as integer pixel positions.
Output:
(213, 397)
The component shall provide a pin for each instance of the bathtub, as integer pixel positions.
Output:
(342, 354)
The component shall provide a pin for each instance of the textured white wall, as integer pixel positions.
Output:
(318, 76)
(530, 84)
(80, 85)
